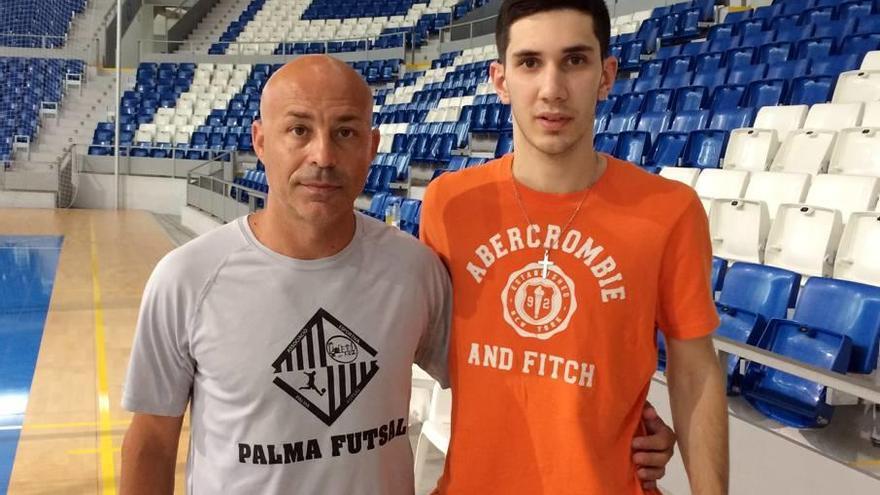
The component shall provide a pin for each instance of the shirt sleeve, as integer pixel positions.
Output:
(432, 354)
(160, 373)
(686, 308)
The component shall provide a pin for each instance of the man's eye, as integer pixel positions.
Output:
(299, 131)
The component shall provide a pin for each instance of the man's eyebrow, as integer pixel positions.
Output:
(568, 50)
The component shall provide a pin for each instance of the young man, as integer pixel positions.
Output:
(563, 264)
(293, 331)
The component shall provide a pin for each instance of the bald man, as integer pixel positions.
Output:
(291, 332)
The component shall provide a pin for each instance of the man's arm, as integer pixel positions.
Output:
(699, 412)
(149, 455)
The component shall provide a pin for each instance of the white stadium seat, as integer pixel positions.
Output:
(857, 86)
(805, 151)
(857, 256)
(684, 175)
(857, 152)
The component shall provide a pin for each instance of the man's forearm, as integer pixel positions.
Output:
(147, 471)
(699, 410)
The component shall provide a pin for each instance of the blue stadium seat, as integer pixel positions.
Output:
(709, 61)
(504, 146)
(606, 142)
(791, 400)
(710, 79)
(727, 97)
(767, 92)
(847, 308)
(652, 68)
(667, 150)
(705, 148)
(775, 53)
(674, 81)
(623, 86)
(629, 103)
(622, 122)
(751, 296)
(654, 123)
(658, 100)
(632, 146)
(746, 74)
(690, 98)
(810, 90)
(719, 271)
(789, 70)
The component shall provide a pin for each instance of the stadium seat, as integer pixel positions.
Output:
(857, 86)
(807, 151)
(857, 258)
(791, 400)
(752, 294)
(726, 184)
(687, 176)
(857, 152)
(750, 149)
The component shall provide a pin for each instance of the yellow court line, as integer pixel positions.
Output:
(105, 443)
(63, 426)
(89, 451)
(865, 463)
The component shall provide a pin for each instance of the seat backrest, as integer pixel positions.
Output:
(687, 176)
(847, 308)
(750, 149)
(846, 193)
(857, 258)
(834, 116)
(857, 86)
(728, 120)
(654, 123)
(728, 184)
(805, 151)
(803, 239)
(871, 61)
(765, 290)
(705, 148)
(782, 119)
(857, 152)
(738, 229)
(775, 188)
(811, 90)
(871, 117)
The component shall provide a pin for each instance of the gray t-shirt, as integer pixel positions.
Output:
(299, 371)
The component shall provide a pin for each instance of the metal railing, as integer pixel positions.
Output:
(856, 385)
(175, 165)
(262, 48)
(209, 189)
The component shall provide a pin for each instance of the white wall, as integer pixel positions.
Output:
(157, 194)
(26, 199)
(768, 462)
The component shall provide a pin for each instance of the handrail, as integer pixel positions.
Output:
(851, 384)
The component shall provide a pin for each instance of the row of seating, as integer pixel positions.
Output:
(835, 326)
(816, 225)
(44, 24)
(26, 85)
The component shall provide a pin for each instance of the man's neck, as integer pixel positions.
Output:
(284, 234)
(559, 174)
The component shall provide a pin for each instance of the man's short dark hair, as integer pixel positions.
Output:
(514, 10)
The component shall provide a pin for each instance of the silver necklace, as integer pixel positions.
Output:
(545, 263)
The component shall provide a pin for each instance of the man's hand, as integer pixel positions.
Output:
(652, 452)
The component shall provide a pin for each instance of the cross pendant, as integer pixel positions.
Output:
(545, 264)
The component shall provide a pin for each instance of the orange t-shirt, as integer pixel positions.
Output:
(549, 375)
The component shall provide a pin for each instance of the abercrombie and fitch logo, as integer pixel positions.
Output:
(325, 367)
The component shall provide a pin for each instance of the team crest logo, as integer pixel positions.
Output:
(325, 367)
(538, 307)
